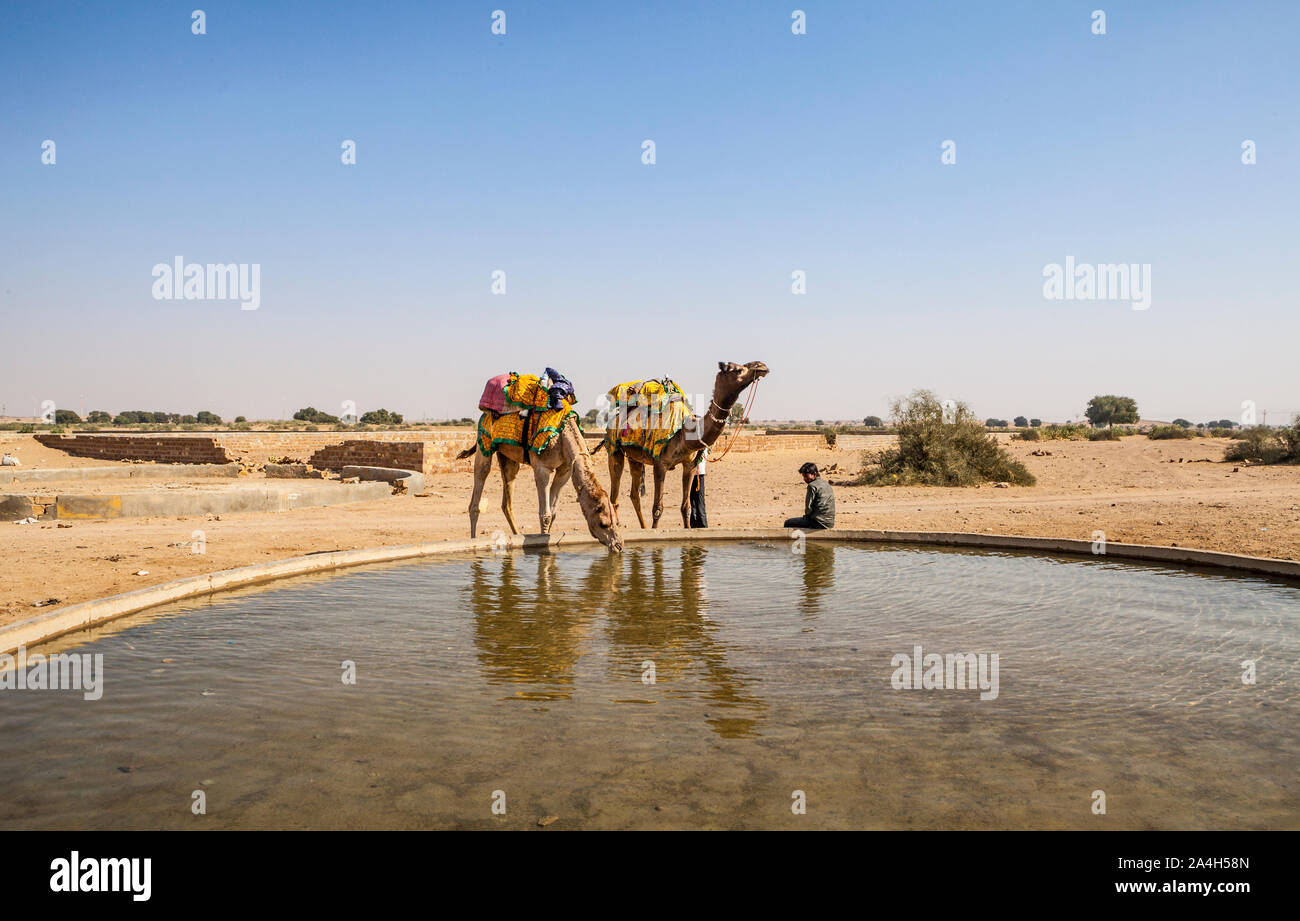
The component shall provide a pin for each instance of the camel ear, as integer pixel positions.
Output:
(722, 366)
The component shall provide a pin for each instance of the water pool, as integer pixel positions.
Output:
(681, 685)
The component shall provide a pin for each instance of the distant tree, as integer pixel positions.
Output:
(381, 416)
(98, 415)
(820, 422)
(1183, 422)
(873, 422)
(1111, 409)
(189, 420)
(589, 418)
(206, 418)
(312, 414)
(1035, 423)
(65, 417)
(1020, 422)
(240, 419)
(995, 423)
(1222, 424)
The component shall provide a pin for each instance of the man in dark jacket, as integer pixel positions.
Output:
(818, 504)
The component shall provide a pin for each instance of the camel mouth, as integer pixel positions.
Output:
(757, 368)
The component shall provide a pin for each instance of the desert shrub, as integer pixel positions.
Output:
(1161, 432)
(1068, 432)
(26, 428)
(938, 450)
(1106, 434)
(1183, 423)
(1028, 435)
(831, 434)
(1264, 445)
(57, 430)
(1223, 433)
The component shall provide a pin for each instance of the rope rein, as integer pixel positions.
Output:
(735, 433)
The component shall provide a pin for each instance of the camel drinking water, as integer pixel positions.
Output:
(566, 456)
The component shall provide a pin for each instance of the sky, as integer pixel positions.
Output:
(774, 153)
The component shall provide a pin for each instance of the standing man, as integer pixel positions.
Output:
(818, 504)
(699, 518)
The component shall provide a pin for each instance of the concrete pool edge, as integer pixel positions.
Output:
(88, 613)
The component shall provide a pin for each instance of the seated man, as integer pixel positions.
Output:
(818, 505)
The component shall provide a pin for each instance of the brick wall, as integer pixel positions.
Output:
(428, 452)
(162, 449)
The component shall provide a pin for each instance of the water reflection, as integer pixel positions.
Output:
(527, 631)
(531, 629)
(818, 575)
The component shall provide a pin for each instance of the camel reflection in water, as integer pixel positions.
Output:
(532, 628)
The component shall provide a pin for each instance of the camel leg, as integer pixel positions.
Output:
(482, 468)
(688, 476)
(658, 509)
(509, 470)
(542, 478)
(638, 476)
(558, 480)
(615, 477)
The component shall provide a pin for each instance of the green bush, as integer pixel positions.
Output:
(831, 434)
(1071, 431)
(938, 450)
(1106, 434)
(1162, 432)
(1264, 445)
(1028, 435)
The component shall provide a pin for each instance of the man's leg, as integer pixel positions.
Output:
(699, 518)
(802, 524)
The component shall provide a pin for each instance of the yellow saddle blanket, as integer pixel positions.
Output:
(526, 407)
(645, 415)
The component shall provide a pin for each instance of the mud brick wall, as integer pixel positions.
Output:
(161, 449)
(404, 455)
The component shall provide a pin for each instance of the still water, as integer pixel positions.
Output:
(680, 686)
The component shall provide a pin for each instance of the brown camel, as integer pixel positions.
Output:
(567, 454)
(730, 383)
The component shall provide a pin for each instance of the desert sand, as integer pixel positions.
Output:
(1135, 490)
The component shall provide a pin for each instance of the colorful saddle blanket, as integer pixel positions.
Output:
(645, 415)
(528, 422)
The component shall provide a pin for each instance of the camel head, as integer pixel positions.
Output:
(592, 497)
(732, 380)
(596, 507)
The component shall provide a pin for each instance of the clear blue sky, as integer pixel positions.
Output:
(775, 152)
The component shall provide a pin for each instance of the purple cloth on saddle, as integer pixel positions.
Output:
(494, 394)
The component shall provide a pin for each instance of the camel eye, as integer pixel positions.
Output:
(604, 520)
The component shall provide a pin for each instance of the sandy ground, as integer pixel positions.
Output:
(1136, 490)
